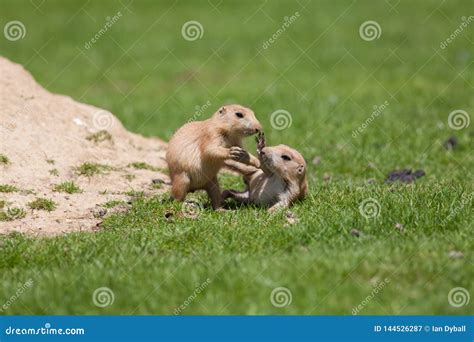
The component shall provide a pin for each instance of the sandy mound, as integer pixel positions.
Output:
(48, 139)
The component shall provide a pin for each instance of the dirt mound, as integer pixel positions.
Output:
(73, 159)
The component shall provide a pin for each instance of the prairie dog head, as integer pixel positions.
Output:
(238, 120)
(284, 161)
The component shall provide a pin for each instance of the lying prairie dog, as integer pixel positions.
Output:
(197, 151)
(277, 182)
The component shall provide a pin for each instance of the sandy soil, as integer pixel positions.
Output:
(46, 137)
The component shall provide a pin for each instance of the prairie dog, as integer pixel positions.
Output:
(277, 183)
(197, 151)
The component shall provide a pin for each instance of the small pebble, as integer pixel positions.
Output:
(371, 165)
(419, 173)
(374, 280)
(99, 212)
(304, 249)
(405, 176)
(450, 143)
(400, 227)
(327, 177)
(291, 218)
(456, 255)
(317, 160)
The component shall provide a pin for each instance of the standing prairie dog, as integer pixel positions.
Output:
(197, 151)
(277, 183)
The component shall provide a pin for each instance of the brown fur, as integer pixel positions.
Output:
(274, 182)
(197, 150)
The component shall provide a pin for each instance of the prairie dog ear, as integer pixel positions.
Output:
(301, 169)
(222, 110)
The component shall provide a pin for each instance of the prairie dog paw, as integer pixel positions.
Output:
(239, 154)
(275, 208)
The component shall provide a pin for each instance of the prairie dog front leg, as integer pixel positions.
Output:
(280, 205)
(243, 169)
(239, 154)
(218, 152)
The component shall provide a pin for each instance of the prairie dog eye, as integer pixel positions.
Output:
(239, 115)
(285, 157)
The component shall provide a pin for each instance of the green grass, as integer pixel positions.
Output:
(129, 177)
(4, 159)
(8, 188)
(112, 203)
(11, 214)
(155, 256)
(99, 136)
(156, 186)
(143, 166)
(42, 204)
(68, 187)
(54, 172)
(134, 193)
(89, 169)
